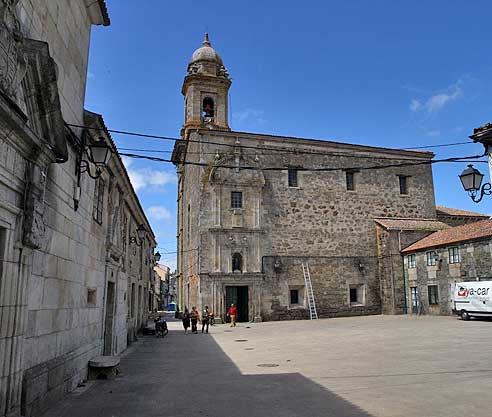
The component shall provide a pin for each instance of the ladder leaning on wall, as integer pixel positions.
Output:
(313, 314)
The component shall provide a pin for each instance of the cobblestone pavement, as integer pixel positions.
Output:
(386, 366)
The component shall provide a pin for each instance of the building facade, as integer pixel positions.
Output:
(166, 287)
(73, 276)
(434, 264)
(253, 208)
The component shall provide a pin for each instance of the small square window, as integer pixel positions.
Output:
(292, 177)
(431, 258)
(433, 294)
(236, 199)
(294, 296)
(91, 297)
(454, 255)
(403, 184)
(412, 262)
(356, 294)
(349, 178)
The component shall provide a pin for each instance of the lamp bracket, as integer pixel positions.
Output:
(485, 190)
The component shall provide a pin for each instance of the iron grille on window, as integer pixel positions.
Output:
(454, 255)
(433, 294)
(411, 261)
(292, 176)
(236, 199)
(97, 210)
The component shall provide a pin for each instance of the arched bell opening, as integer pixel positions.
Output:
(208, 109)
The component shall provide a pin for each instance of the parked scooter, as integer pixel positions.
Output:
(161, 329)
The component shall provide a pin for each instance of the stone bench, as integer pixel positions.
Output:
(104, 367)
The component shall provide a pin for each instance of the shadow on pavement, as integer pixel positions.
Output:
(189, 375)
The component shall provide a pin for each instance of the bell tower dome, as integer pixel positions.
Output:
(206, 89)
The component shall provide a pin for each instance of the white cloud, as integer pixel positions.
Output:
(159, 213)
(145, 177)
(249, 115)
(437, 101)
(415, 105)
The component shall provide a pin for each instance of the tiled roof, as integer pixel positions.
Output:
(457, 212)
(475, 230)
(411, 224)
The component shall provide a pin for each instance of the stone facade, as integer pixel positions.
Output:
(167, 286)
(253, 250)
(67, 277)
(442, 266)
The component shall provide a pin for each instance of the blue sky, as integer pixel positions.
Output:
(383, 73)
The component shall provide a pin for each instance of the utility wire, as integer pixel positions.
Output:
(321, 169)
(260, 148)
(441, 145)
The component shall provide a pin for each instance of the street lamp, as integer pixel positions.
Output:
(141, 233)
(471, 179)
(157, 257)
(97, 153)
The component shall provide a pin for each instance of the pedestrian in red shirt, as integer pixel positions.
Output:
(232, 313)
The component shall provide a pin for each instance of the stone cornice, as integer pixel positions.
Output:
(318, 144)
(242, 230)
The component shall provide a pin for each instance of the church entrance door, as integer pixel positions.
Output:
(238, 295)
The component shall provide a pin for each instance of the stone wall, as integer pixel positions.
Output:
(318, 221)
(57, 263)
(475, 264)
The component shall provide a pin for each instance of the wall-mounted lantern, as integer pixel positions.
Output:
(97, 154)
(157, 257)
(141, 233)
(471, 179)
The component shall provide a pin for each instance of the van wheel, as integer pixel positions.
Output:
(464, 315)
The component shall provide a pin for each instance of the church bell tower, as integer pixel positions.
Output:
(206, 89)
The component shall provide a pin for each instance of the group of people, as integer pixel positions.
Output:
(193, 317)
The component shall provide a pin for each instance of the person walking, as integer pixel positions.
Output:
(186, 320)
(205, 319)
(232, 313)
(194, 319)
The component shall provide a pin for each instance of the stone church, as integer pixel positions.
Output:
(253, 208)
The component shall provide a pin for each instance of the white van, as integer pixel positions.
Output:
(473, 299)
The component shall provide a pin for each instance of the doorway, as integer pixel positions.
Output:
(414, 292)
(108, 322)
(238, 295)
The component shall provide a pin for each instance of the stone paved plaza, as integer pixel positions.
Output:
(383, 366)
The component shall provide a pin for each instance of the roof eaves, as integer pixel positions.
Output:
(353, 146)
(415, 248)
(104, 12)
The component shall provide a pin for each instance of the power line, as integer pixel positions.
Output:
(261, 148)
(441, 145)
(321, 169)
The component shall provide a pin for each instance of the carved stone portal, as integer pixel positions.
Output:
(13, 61)
(35, 208)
